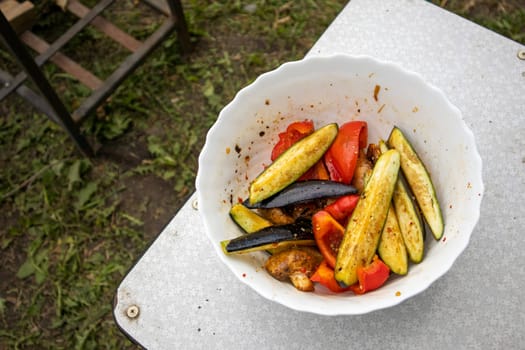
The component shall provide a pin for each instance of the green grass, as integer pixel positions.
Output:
(506, 17)
(73, 226)
(70, 227)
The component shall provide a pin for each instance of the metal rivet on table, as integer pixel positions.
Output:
(133, 311)
(195, 205)
(521, 54)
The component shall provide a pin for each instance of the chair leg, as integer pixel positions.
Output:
(183, 35)
(11, 40)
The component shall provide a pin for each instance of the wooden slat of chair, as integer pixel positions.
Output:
(65, 63)
(105, 26)
(160, 5)
(21, 16)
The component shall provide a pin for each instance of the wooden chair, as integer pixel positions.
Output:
(14, 34)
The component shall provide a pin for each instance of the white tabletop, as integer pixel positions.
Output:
(180, 296)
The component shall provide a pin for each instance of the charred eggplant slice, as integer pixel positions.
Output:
(298, 233)
(304, 191)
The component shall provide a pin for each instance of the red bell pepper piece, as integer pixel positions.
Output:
(371, 276)
(325, 275)
(343, 207)
(341, 157)
(328, 235)
(316, 172)
(293, 133)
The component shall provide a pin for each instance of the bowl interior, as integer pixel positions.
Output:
(338, 89)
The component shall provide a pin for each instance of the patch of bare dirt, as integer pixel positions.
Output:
(146, 197)
(150, 199)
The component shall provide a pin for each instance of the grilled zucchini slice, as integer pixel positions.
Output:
(364, 228)
(409, 220)
(292, 163)
(248, 220)
(392, 249)
(419, 181)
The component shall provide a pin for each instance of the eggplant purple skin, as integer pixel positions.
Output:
(304, 191)
(299, 230)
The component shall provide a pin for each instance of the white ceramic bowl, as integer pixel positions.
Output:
(340, 88)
